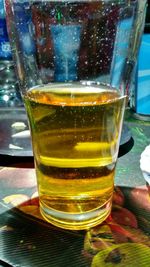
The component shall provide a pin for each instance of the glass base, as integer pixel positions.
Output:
(76, 221)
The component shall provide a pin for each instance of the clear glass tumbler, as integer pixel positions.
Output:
(74, 61)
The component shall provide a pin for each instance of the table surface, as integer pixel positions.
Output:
(124, 238)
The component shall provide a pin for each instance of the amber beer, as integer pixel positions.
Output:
(75, 134)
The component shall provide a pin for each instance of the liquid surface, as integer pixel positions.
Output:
(75, 130)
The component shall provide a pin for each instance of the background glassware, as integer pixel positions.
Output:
(139, 91)
(9, 93)
(74, 61)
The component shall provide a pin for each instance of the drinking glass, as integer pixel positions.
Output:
(74, 62)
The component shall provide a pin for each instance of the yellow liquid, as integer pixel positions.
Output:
(75, 135)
